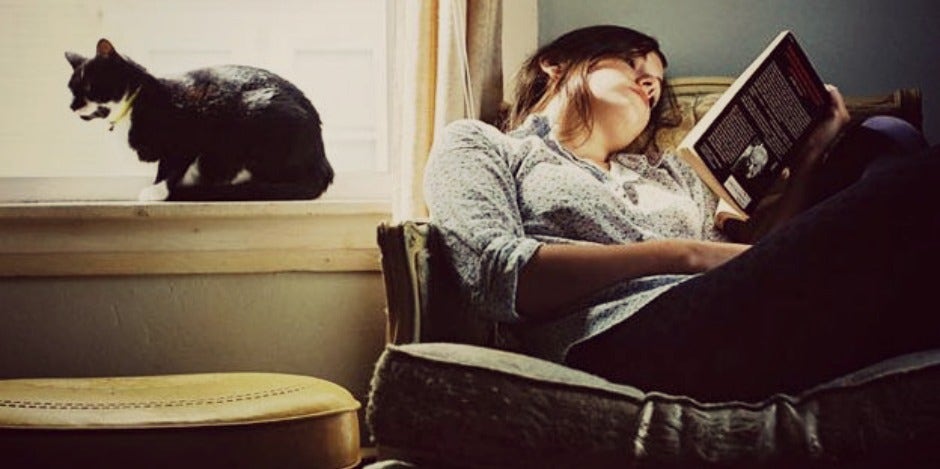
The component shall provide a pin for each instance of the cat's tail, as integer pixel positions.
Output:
(251, 190)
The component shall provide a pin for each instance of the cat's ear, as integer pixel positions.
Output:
(105, 50)
(74, 59)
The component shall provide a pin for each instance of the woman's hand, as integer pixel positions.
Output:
(824, 135)
(706, 255)
(763, 218)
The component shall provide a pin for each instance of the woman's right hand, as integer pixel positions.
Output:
(706, 255)
(765, 217)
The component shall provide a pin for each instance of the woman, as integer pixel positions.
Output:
(611, 261)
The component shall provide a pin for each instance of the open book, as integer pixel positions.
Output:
(740, 146)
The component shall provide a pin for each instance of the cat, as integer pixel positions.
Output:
(229, 132)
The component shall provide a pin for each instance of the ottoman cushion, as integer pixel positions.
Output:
(209, 420)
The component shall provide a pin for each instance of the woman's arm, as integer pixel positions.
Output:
(557, 276)
(472, 197)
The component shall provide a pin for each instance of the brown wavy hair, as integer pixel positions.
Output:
(575, 53)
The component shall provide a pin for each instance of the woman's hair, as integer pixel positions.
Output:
(574, 54)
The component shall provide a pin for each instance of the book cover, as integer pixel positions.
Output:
(740, 146)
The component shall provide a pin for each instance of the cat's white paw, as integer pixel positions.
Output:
(155, 193)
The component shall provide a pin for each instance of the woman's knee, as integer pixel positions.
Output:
(891, 135)
(867, 144)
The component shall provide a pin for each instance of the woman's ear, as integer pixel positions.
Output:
(550, 69)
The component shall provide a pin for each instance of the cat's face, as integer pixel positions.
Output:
(101, 86)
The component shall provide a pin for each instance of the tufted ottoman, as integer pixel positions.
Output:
(193, 420)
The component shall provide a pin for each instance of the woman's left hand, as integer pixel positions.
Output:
(824, 135)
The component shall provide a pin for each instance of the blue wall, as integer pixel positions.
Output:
(865, 47)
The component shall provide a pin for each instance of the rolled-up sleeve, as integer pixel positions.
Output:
(471, 192)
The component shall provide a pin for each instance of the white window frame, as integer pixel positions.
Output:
(362, 185)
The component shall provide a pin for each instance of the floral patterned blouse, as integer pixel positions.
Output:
(497, 197)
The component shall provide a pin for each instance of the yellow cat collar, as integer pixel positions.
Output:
(126, 109)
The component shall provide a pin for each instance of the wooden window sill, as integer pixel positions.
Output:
(131, 238)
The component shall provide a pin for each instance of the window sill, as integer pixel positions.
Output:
(130, 238)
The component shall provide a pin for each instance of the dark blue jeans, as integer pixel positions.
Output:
(849, 282)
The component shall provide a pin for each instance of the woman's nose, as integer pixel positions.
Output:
(648, 84)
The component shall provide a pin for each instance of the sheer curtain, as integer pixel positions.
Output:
(448, 66)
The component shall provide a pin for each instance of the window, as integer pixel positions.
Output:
(334, 50)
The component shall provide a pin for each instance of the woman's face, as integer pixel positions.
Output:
(623, 92)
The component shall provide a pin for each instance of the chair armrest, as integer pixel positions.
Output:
(404, 270)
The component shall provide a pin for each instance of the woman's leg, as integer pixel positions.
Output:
(873, 138)
(843, 285)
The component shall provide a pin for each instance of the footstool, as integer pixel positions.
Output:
(192, 420)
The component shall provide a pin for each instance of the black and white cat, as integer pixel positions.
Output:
(219, 133)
